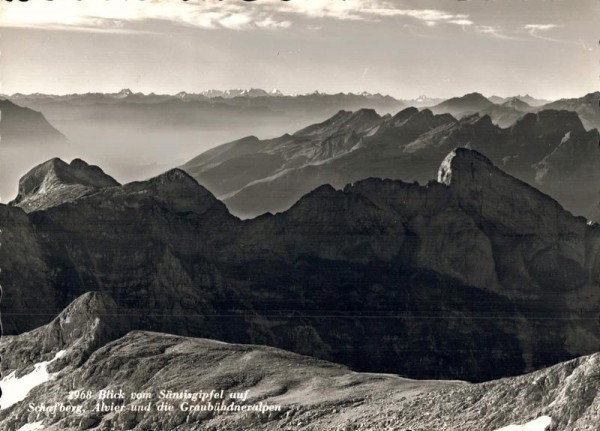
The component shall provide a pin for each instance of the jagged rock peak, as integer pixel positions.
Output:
(178, 190)
(405, 113)
(87, 323)
(174, 183)
(477, 119)
(87, 306)
(460, 158)
(77, 172)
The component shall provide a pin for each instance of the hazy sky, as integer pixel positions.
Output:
(548, 48)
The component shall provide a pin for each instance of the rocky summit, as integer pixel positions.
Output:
(475, 277)
(77, 373)
(56, 182)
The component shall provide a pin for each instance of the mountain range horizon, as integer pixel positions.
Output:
(97, 125)
(274, 92)
(260, 92)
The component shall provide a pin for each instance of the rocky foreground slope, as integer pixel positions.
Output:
(476, 276)
(61, 376)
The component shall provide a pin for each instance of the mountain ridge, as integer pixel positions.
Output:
(394, 251)
(405, 146)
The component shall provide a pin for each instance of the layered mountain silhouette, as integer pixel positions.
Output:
(474, 276)
(207, 110)
(27, 138)
(468, 104)
(90, 348)
(548, 149)
(134, 135)
(530, 100)
(588, 108)
(24, 126)
(507, 113)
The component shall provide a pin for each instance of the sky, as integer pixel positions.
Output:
(405, 48)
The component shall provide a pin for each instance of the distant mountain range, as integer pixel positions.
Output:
(135, 135)
(241, 98)
(531, 101)
(588, 108)
(474, 276)
(208, 109)
(83, 348)
(26, 138)
(24, 126)
(548, 149)
(505, 111)
(465, 105)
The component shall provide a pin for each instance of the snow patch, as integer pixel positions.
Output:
(445, 171)
(16, 389)
(33, 426)
(540, 424)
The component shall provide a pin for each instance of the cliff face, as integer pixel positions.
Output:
(474, 277)
(28, 299)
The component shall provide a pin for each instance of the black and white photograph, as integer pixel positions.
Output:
(300, 215)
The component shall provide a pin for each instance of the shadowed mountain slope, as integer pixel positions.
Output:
(473, 277)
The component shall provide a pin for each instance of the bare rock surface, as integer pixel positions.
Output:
(292, 392)
(56, 182)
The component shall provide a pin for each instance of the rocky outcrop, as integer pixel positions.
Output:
(86, 324)
(587, 107)
(474, 277)
(56, 182)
